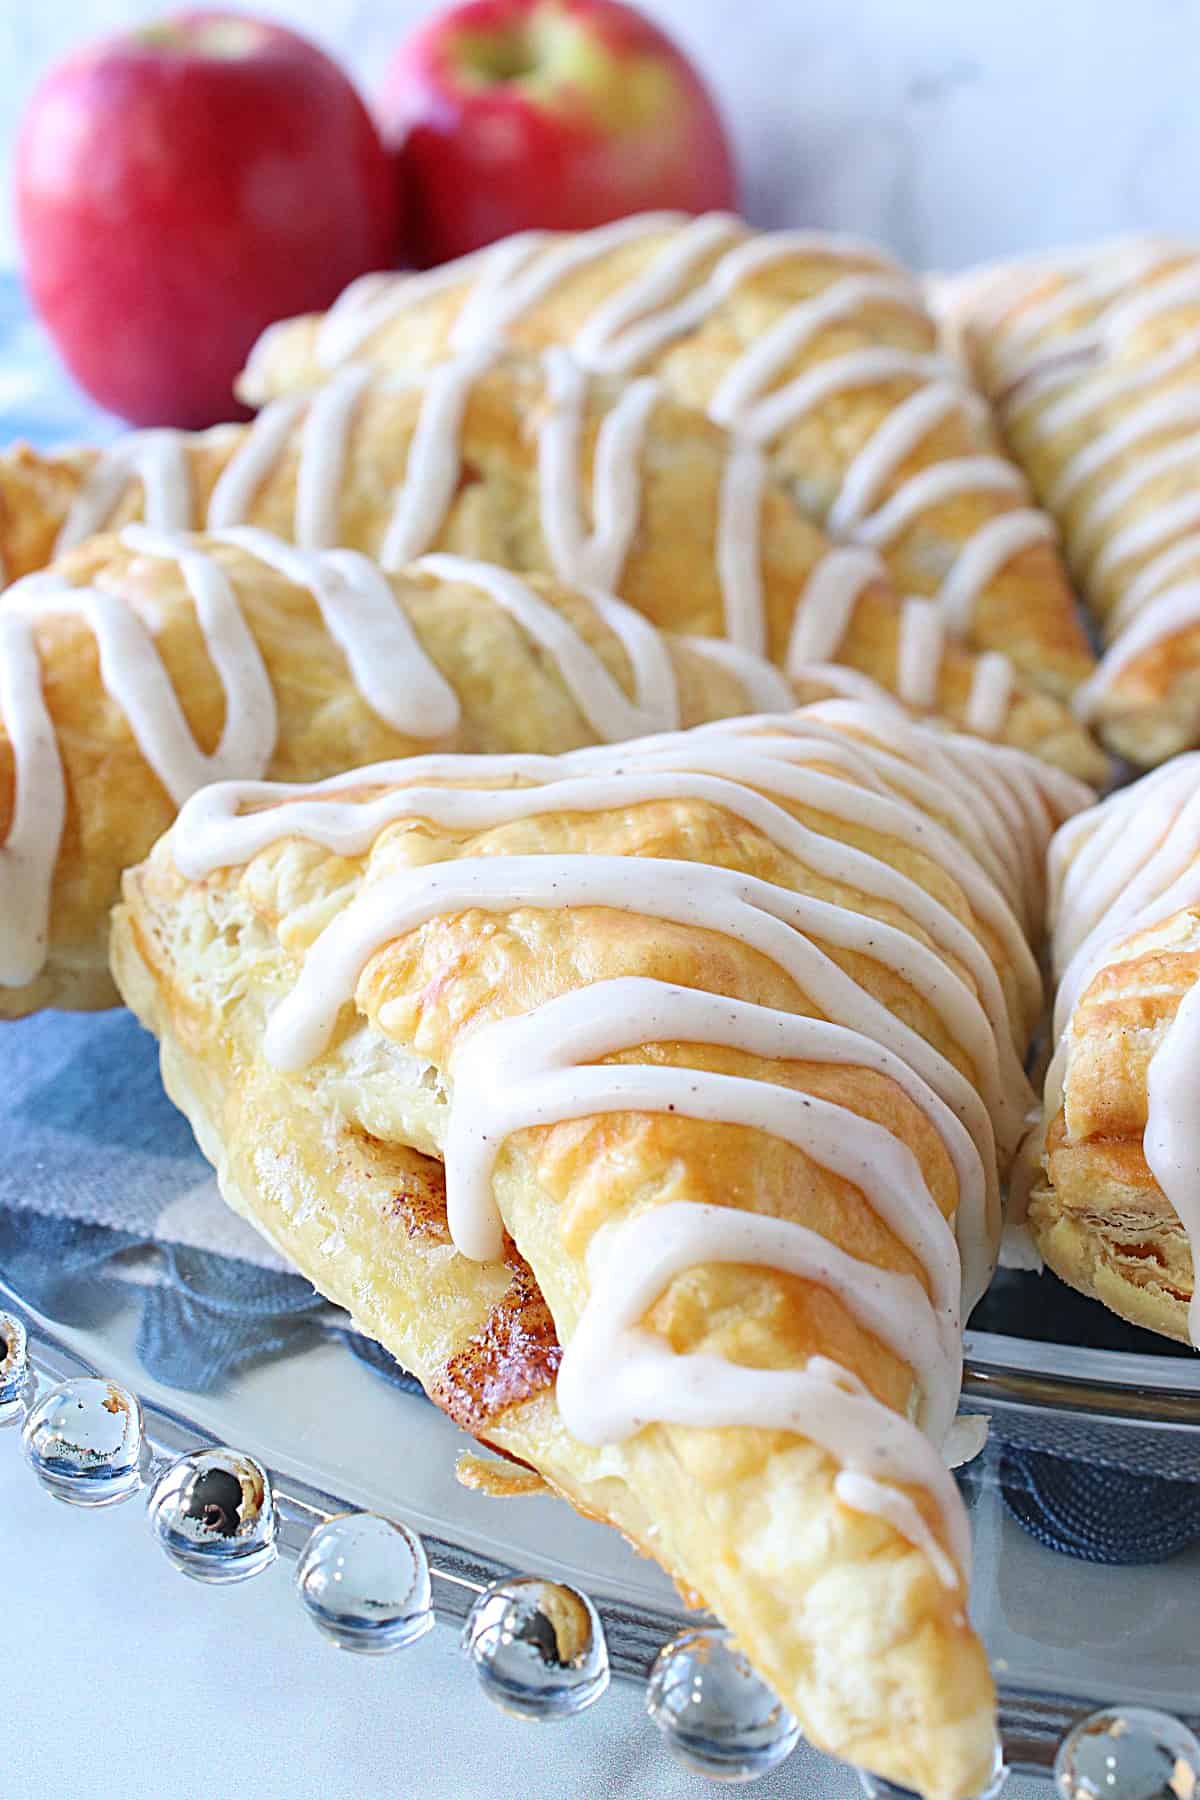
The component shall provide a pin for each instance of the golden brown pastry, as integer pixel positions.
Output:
(1093, 362)
(1119, 1211)
(536, 467)
(817, 348)
(715, 1037)
(142, 666)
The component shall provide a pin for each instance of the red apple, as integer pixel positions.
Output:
(564, 114)
(180, 187)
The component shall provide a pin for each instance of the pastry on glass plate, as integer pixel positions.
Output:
(649, 1104)
(817, 348)
(146, 664)
(1092, 359)
(1118, 1212)
(534, 465)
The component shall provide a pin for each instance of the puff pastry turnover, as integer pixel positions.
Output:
(534, 465)
(1093, 361)
(817, 348)
(144, 665)
(711, 1042)
(1119, 1211)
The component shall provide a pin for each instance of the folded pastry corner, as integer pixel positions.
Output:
(540, 467)
(816, 347)
(1091, 359)
(646, 1103)
(1117, 1213)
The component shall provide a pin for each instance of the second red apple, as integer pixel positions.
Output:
(563, 114)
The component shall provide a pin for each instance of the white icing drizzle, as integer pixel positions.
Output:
(134, 675)
(655, 689)
(1151, 466)
(1178, 407)
(1169, 613)
(1133, 568)
(248, 734)
(434, 461)
(896, 437)
(596, 693)
(1181, 289)
(991, 694)
(744, 382)
(739, 562)
(919, 653)
(982, 557)
(1104, 386)
(826, 607)
(372, 302)
(322, 457)
(157, 460)
(596, 559)
(787, 405)
(1107, 863)
(28, 853)
(644, 1380)
(768, 690)
(363, 617)
(552, 1046)
(1117, 870)
(933, 487)
(1161, 524)
(846, 684)
(515, 277)
(1171, 1141)
(619, 334)
(243, 475)
(1162, 569)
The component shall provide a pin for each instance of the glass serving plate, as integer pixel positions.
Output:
(1115, 1428)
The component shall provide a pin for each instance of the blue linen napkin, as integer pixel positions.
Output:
(104, 1195)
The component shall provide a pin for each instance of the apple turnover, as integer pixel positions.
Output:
(818, 349)
(649, 1105)
(536, 466)
(1092, 359)
(146, 664)
(1118, 1214)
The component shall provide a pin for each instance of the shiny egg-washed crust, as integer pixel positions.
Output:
(1151, 710)
(1027, 610)
(846, 1619)
(1100, 1219)
(671, 574)
(116, 805)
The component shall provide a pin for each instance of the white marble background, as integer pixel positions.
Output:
(950, 131)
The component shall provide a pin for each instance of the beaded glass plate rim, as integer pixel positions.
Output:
(1032, 1724)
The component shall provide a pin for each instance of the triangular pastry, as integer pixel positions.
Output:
(1092, 359)
(715, 1036)
(144, 665)
(1118, 1213)
(534, 465)
(817, 348)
